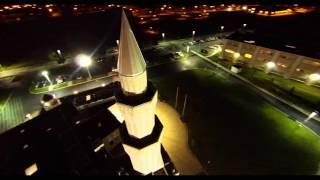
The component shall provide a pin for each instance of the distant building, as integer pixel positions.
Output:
(255, 51)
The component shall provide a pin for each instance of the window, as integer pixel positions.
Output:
(31, 169)
(249, 56)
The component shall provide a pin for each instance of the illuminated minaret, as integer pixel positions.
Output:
(136, 101)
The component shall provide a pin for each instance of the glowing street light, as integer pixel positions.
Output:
(193, 33)
(163, 36)
(117, 41)
(244, 25)
(59, 52)
(46, 75)
(311, 115)
(314, 77)
(270, 65)
(221, 28)
(84, 61)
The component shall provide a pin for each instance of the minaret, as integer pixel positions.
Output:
(136, 100)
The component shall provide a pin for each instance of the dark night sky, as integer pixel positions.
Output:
(178, 2)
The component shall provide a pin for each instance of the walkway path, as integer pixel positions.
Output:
(175, 141)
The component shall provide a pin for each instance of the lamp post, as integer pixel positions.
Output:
(84, 61)
(46, 75)
(311, 115)
(193, 33)
(269, 66)
(163, 36)
(59, 52)
(61, 58)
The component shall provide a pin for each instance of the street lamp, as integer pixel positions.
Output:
(46, 75)
(84, 61)
(163, 36)
(193, 33)
(221, 28)
(59, 52)
(117, 41)
(311, 115)
(314, 77)
(244, 25)
(270, 65)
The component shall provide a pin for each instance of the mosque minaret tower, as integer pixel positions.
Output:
(141, 130)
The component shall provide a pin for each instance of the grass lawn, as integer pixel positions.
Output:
(297, 92)
(236, 130)
(4, 94)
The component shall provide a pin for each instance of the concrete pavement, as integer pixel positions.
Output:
(175, 141)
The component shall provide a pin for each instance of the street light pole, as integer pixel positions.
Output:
(163, 36)
(177, 96)
(311, 115)
(193, 33)
(46, 75)
(184, 104)
(89, 73)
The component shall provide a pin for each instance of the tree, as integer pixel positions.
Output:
(53, 56)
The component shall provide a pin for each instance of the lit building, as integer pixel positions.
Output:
(290, 61)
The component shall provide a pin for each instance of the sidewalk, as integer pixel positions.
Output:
(175, 141)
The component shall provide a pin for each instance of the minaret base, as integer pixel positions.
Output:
(145, 154)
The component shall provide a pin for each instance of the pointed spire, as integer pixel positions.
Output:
(130, 60)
